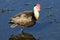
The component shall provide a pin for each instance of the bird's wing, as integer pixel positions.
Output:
(24, 12)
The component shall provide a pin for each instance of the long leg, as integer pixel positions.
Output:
(22, 29)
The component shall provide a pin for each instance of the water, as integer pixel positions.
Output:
(47, 28)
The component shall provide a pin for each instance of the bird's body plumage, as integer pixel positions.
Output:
(25, 18)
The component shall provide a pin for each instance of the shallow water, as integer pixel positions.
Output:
(47, 27)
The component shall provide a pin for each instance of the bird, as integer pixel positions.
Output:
(26, 18)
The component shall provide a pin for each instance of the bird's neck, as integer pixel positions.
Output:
(36, 14)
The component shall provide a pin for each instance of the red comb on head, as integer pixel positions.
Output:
(38, 5)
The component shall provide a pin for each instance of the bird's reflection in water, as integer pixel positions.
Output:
(22, 36)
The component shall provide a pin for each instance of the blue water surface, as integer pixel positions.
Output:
(46, 28)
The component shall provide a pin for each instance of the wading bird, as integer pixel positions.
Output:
(26, 18)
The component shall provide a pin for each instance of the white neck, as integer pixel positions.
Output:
(36, 13)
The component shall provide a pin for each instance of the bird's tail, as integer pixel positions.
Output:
(11, 21)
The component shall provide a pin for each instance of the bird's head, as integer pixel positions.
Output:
(36, 10)
(37, 7)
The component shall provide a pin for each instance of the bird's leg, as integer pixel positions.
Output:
(22, 28)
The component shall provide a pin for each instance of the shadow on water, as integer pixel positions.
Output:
(22, 36)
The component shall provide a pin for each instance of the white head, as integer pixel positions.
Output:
(36, 11)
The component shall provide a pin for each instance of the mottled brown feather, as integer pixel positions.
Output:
(25, 18)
